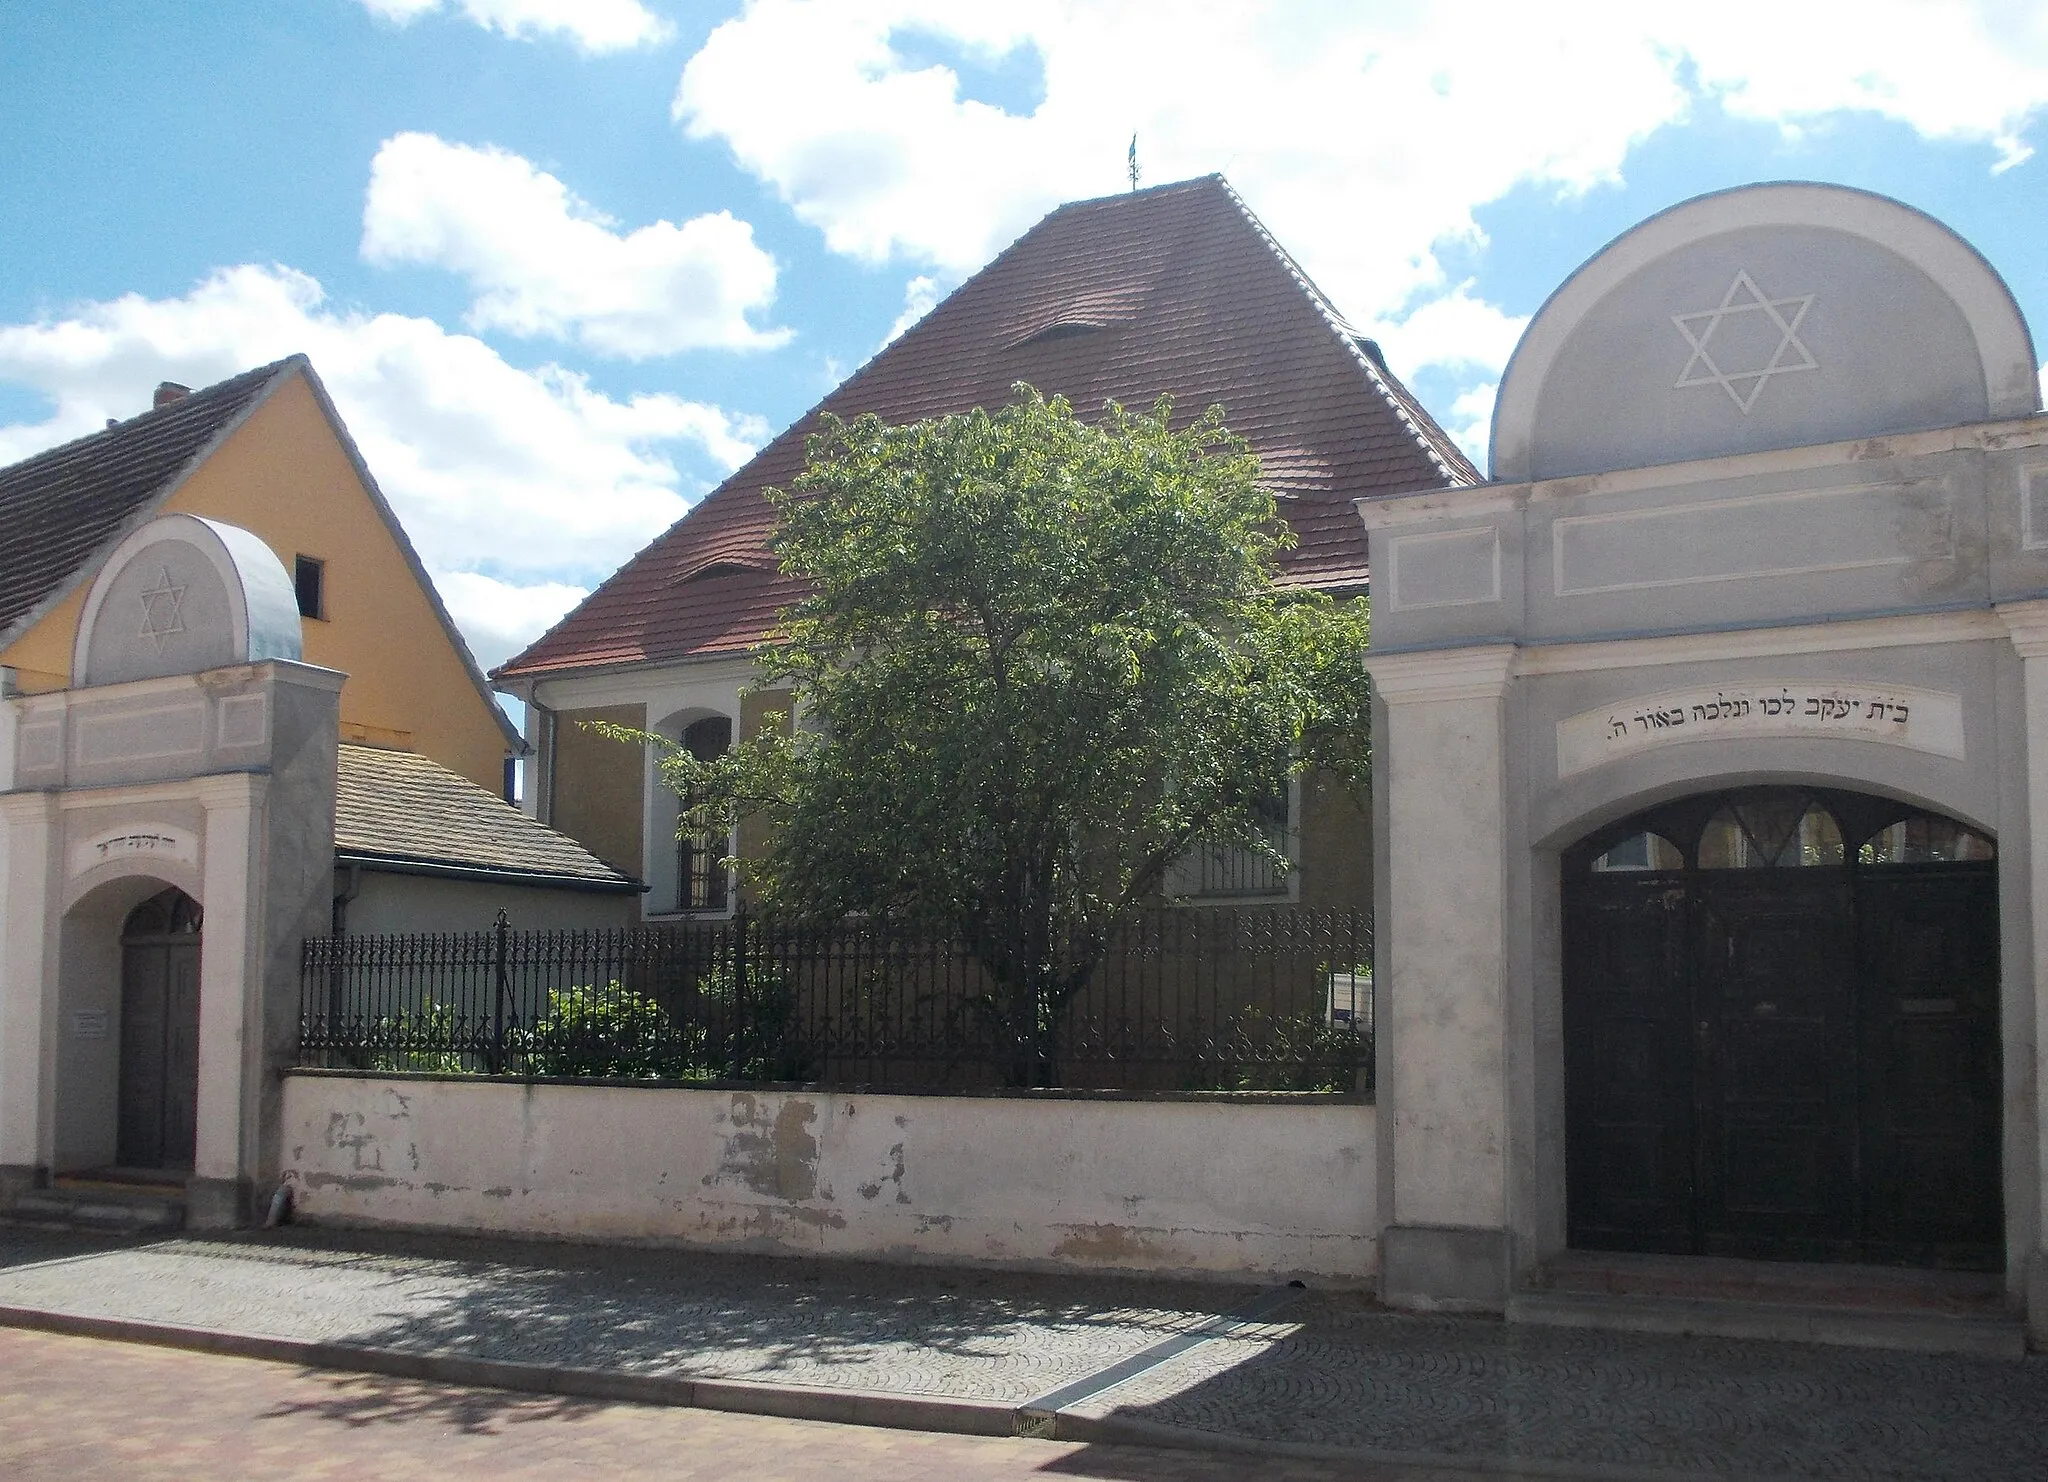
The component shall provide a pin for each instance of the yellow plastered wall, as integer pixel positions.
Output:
(598, 785)
(285, 475)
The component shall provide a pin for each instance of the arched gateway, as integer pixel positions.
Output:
(1781, 1032)
(1696, 727)
(192, 760)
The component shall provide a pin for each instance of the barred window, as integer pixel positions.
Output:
(702, 880)
(1235, 871)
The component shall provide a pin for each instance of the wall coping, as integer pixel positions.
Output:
(783, 1088)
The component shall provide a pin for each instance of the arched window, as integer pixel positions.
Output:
(701, 876)
(1771, 828)
(1925, 838)
(1645, 851)
(170, 913)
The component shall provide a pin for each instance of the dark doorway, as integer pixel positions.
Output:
(159, 1092)
(1781, 1033)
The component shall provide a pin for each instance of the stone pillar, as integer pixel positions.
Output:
(2028, 624)
(1442, 980)
(231, 962)
(30, 918)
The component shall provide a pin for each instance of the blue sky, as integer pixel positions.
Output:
(563, 263)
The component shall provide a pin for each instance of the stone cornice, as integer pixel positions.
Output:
(1912, 630)
(2027, 622)
(1479, 673)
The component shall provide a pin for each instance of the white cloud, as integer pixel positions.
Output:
(534, 479)
(920, 296)
(1365, 136)
(1455, 330)
(1471, 420)
(499, 618)
(594, 25)
(544, 263)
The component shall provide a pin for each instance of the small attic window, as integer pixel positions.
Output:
(718, 568)
(1059, 329)
(309, 576)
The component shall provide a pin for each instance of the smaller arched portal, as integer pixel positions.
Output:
(158, 1097)
(1781, 1032)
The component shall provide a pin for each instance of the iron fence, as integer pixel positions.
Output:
(1258, 999)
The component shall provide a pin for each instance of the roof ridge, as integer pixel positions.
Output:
(1404, 407)
(182, 404)
(42, 473)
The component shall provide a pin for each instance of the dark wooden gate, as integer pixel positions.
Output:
(1779, 1044)
(159, 1089)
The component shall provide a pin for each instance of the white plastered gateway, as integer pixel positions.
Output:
(1754, 608)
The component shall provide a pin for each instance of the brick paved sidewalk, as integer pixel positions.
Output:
(1326, 1374)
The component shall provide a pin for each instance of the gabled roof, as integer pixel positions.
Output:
(1175, 290)
(64, 507)
(397, 810)
(64, 510)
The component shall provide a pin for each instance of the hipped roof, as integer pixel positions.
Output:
(1179, 291)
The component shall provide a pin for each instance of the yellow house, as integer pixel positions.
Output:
(265, 451)
(233, 715)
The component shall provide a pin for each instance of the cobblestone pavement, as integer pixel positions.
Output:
(1328, 1371)
(908, 1330)
(81, 1410)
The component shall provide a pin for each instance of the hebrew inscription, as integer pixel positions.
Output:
(1893, 715)
(149, 843)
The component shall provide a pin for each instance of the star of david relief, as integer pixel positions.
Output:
(1747, 329)
(163, 609)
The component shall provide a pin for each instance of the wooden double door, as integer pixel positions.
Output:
(1795, 1059)
(159, 1087)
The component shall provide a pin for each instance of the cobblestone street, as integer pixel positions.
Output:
(1326, 1373)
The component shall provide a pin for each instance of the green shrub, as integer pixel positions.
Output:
(420, 1040)
(609, 1031)
(750, 1036)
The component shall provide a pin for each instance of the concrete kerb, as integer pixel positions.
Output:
(885, 1410)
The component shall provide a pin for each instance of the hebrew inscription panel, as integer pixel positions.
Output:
(158, 842)
(1892, 715)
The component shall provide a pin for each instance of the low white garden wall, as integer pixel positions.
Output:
(1259, 1188)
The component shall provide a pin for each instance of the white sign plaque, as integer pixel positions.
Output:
(1892, 715)
(153, 841)
(92, 1024)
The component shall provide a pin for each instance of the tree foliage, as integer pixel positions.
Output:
(1041, 660)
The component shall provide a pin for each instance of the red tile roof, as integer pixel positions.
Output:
(1176, 290)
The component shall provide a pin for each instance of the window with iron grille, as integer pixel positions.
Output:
(701, 877)
(1235, 871)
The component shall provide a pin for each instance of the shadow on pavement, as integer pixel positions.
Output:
(362, 1400)
(994, 1335)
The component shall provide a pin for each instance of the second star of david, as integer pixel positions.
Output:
(163, 610)
(1782, 315)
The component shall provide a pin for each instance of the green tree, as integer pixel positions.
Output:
(1041, 660)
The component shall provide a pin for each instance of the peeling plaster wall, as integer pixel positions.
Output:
(1250, 1188)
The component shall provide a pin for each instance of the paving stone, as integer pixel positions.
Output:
(1331, 1370)
(1344, 1374)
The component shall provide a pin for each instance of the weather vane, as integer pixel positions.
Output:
(1131, 163)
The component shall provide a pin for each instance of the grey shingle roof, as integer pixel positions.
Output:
(62, 507)
(400, 809)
